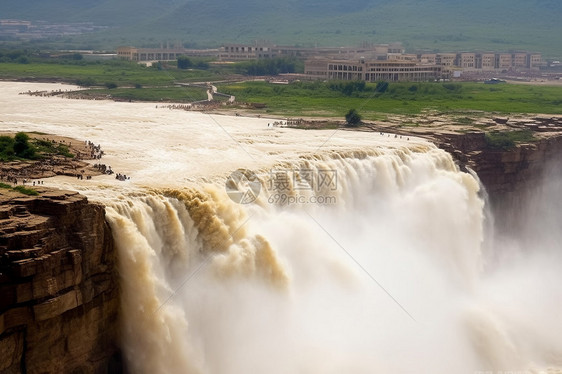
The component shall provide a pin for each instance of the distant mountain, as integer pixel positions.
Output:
(429, 24)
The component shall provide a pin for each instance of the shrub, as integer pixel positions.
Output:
(22, 148)
(184, 62)
(381, 87)
(6, 148)
(352, 118)
(508, 139)
(348, 87)
(64, 151)
(86, 82)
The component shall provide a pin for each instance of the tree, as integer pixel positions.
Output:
(23, 60)
(382, 86)
(184, 62)
(22, 148)
(352, 118)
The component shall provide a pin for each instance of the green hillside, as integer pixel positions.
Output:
(443, 25)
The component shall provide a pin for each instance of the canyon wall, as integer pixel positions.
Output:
(511, 176)
(59, 296)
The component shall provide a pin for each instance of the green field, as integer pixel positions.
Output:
(122, 73)
(317, 99)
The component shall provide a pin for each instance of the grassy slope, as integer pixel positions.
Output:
(431, 24)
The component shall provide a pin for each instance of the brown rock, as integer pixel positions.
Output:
(11, 352)
(59, 299)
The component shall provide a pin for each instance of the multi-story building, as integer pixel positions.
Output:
(371, 70)
(503, 61)
(161, 54)
(486, 61)
(535, 61)
(446, 60)
(384, 54)
(315, 68)
(342, 70)
(401, 71)
(466, 60)
(401, 57)
(243, 52)
(427, 58)
(519, 60)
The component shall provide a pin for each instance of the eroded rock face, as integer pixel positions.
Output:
(511, 176)
(59, 298)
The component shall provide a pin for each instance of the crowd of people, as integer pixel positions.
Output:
(13, 179)
(44, 93)
(277, 124)
(395, 136)
(95, 150)
(29, 172)
(96, 154)
(177, 106)
(103, 168)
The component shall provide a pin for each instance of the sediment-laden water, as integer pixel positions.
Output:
(342, 252)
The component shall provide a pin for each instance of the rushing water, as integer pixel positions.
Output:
(361, 253)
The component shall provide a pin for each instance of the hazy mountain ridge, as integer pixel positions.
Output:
(101, 12)
(429, 24)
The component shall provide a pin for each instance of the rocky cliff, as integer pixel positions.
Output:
(59, 297)
(510, 175)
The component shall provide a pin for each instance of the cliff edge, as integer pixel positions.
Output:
(511, 176)
(59, 296)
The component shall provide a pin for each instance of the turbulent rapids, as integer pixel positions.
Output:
(369, 255)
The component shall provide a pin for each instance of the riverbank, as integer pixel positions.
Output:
(33, 172)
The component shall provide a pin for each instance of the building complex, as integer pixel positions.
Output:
(368, 62)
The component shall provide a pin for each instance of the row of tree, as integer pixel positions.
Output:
(348, 88)
(272, 66)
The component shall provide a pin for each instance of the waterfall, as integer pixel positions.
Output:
(387, 277)
(329, 252)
